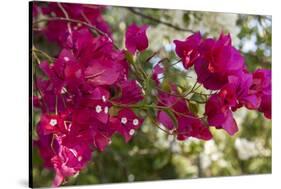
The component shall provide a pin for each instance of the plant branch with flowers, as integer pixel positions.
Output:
(93, 89)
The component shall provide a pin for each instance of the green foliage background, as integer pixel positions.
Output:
(152, 155)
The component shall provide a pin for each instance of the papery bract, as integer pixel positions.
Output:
(136, 38)
(58, 30)
(192, 127)
(188, 50)
(220, 115)
(130, 92)
(218, 60)
(126, 123)
(261, 86)
(189, 125)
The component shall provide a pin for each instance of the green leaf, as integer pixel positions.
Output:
(166, 85)
(193, 106)
(129, 57)
(197, 98)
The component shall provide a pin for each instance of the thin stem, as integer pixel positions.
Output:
(192, 89)
(155, 123)
(34, 49)
(149, 58)
(204, 94)
(159, 21)
(197, 101)
(36, 57)
(67, 16)
(145, 106)
(136, 72)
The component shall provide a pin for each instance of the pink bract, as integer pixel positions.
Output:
(136, 38)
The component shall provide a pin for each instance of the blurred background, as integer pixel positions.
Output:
(152, 154)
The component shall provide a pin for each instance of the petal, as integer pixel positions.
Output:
(230, 125)
(165, 119)
(136, 38)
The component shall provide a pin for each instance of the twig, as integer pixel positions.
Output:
(66, 16)
(34, 49)
(159, 21)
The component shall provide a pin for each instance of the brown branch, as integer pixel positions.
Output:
(159, 21)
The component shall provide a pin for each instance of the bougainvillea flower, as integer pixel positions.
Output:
(220, 115)
(186, 124)
(136, 38)
(65, 71)
(130, 92)
(265, 106)
(187, 50)
(261, 86)
(102, 72)
(63, 154)
(218, 59)
(97, 105)
(156, 71)
(236, 93)
(58, 31)
(103, 65)
(52, 124)
(240, 85)
(70, 159)
(189, 126)
(262, 81)
(61, 171)
(101, 135)
(48, 100)
(126, 123)
(45, 145)
(164, 118)
(57, 80)
(177, 104)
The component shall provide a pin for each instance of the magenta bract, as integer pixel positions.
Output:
(136, 38)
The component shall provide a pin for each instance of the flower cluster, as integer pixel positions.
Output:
(59, 30)
(76, 95)
(90, 91)
(221, 68)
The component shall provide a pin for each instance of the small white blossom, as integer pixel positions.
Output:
(135, 122)
(53, 122)
(131, 132)
(124, 120)
(98, 109)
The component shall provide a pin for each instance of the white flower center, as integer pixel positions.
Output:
(103, 98)
(98, 109)
(135, 122)
(66, 58)
(53, 122)
(105, 110)
(131, 132)
(124, 120)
